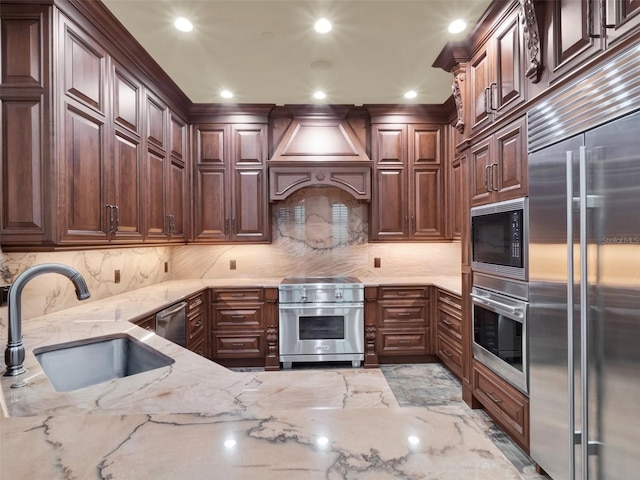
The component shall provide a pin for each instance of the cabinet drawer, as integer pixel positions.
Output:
(449, 324)
(195, 325)
(402, 292)
(403, 343)
(450, 303)
(508, 406)
(197, 302)
(238, 345)
(450, 353)
(234, 316)
(237, 294)
(402, 314)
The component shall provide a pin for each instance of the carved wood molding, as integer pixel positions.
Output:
(284, 180)
(532, 40)
(457, 89)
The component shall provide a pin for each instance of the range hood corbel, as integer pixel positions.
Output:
(319, 148)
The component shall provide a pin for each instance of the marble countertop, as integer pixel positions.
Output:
(197, 419)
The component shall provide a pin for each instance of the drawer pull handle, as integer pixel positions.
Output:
(493, 398)
(197, 325)
(236, 295)
(447, 322)
(404, 342)
(237, 317)
(404, 314)
(447, 353)
(195, 304)
(402, 294)
(237, 344)
(148, 327)
(448, 301)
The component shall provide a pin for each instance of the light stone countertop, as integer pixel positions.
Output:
(197, 419)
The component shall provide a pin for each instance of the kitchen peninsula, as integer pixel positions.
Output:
(198, 419)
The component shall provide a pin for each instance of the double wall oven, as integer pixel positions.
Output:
(321, 319)
(500, 293)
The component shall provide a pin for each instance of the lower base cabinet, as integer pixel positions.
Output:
(237, 326)
(196, 323)
(449, 331)
(503, 402)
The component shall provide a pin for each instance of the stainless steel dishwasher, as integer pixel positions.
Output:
(171, 323)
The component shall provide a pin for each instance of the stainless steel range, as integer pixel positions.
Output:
(321, 319)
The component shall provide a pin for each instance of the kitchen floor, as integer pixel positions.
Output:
(430, 385)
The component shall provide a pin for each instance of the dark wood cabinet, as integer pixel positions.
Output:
(496, 73)
(196, 324)
(448, 325)
(237, 326)
(455, 201)
(407, 202)
(403, 329)
(499, 165)
(95, 136)
(231, 191)
(503, 402)
(148, 322)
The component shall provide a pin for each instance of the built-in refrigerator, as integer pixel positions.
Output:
(584, 274)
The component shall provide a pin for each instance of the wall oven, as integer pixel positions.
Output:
(500, 309)
(321, 319)
(499, 238)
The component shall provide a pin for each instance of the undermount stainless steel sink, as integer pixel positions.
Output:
(73, 365)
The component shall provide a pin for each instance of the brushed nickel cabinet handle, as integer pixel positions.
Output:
(493, 398)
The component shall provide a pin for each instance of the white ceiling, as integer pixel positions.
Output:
(264, 50)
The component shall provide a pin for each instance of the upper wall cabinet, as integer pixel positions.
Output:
(580, 29)
(86, 145)
(496, 74)
(230, 183)
(408, 198)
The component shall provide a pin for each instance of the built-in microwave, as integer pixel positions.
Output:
(499, 238)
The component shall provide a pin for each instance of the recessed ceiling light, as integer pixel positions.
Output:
(410, 94)
(319, 95)
(183, 24)
(226, 94)
(457, 26)
(323, 26)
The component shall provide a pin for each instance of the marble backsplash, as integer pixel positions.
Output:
(139, 267)
(315, 231)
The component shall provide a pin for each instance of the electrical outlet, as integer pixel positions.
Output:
(232, 264)
(376, 262)
(116, 276)
(4, 295)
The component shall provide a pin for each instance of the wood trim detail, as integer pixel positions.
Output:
(532, 40)
(457, 88)
(283, 181)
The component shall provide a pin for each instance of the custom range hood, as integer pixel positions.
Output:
(319, 146)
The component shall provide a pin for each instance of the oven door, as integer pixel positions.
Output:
(500, 335)
(321, 332)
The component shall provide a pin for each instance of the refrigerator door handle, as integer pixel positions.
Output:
(584, 314)
(575, 436)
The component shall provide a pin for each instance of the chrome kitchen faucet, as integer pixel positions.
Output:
(14, 353)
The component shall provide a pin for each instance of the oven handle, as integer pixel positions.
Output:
(297, 306)
(515, 311)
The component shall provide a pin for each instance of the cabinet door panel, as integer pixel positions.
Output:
(426, 145)
(426, 220)
(156, 121)
(126, 100)
(455, 199)
(509, 70)
(480, 175)
(211, 214)
(480, 76)
(126, 196)
(83, 175)
(249, 145)
(154, 196)
(178, 138)
(389, 144)
(21, 51)
(511, 159)
(250, 214)
(22, 164)
(389, 212)
(210, 147)
(85, 66)
(176, 199)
